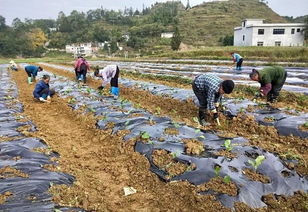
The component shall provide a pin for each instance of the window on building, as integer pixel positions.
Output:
(260, 31)
(292, 31)
(260, 43)
(278, 31)
(243, 37)
(277, 43)
(298, 30)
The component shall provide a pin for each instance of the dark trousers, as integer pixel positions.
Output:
(239, 64)
(44, 93)
(276, 88)
(82, 73)
(201, 96)
(115, 80)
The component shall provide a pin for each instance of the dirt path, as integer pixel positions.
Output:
(103, 164)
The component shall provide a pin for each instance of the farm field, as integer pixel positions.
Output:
(148, 140)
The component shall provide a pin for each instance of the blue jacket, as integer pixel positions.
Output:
(236, 57)
(32, 69)
(39, 88)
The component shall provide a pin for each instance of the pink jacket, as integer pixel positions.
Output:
(79, 62)
(107, 73)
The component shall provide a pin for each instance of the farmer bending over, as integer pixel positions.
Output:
(109, 73)
(236, 58)
(13, 66)
(42, 92)
(32, 72)
(81, 69)
(209, 89)
(271, 80)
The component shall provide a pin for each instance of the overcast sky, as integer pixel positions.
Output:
(34, 9)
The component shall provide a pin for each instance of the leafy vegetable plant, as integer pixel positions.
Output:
(257, 162)
(217, 170)
(228, 145)
(227, 179)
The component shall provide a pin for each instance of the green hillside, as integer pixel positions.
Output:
(205, 24)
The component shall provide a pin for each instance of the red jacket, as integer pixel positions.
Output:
(79, 62)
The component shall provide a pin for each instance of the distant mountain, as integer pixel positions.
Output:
(205, 24)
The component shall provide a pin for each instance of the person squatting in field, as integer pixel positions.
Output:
(32, 72)
(238, 59)
(209, 89)
(81, 69)
(109, 73)
(271, 79)
(13, 66)
(42, 92)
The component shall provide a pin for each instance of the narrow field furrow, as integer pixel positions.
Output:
(27, 165)
(59, 72)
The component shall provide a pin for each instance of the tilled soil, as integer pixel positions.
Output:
(265, 137)
(103, 164)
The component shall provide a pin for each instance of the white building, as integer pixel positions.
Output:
(166, 35)
(84, 49)
(254, 32)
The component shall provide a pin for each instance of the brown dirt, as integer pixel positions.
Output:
(218, 185)
(3, 197)
(172, 131)
(193, 147)
(264, 137)
(10, 172)
(226, 154)
(256, 176)
(304, 127)
(103, 164)
(269, 119)
(165, 161)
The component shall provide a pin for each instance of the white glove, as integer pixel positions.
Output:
(217, 104)
(214, 111)
(42, 99)
(48, 98)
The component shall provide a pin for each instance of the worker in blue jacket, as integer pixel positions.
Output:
(238, 59)
(32, 72)
(42, 92)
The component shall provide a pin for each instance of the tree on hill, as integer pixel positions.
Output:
(176, 40)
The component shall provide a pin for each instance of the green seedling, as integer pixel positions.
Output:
(227, 179)
(242, 110)
(289, 155)
(195, 119)
(174, 154)
(157, 110)
(71, 101)
(201, 136)
(92, 110)
(257, 162)
(190, 168)
(306, 124)
(151, 142)
(176, 125)
(173, 111)
(217, 170)
(127, 122)
(228, 145)
(88, 90)
(197, 131)
(145, 136)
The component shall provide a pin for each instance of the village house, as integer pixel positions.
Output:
(84, 49)
(254, 32)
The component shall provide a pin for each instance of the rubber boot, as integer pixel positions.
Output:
(202, 117)
(115, 92)
(29, 80)
(44, 96)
